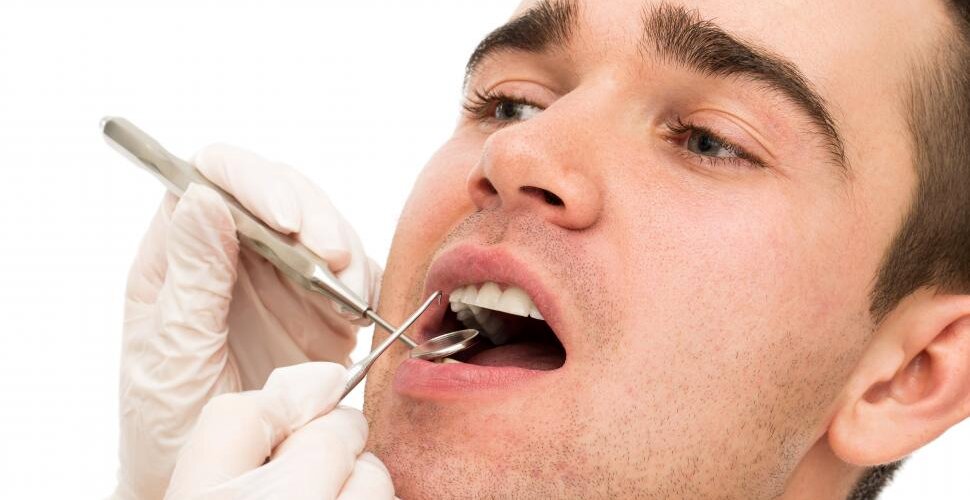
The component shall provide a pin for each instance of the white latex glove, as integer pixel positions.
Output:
(203, 318)
(314, 450)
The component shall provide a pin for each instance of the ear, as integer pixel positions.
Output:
(911, 385)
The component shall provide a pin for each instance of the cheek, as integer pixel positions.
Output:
(739, 265)
(438, 201)
(742, 302)
(439, 197)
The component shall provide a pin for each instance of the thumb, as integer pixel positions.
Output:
(202, 252)
(180, 362)
(236, 433)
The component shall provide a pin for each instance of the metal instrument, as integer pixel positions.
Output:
(291, 257)
(359, 369)
(445, 345)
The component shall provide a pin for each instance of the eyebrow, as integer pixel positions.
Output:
(548, 23)
(678, 35)
(675, 35)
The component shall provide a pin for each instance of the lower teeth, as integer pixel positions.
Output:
(491, 324)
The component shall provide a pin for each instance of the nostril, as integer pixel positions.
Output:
(548, 196)
(486, 186)
(552, 199)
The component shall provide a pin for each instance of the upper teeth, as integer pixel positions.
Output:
(513, 300)
(474, 305)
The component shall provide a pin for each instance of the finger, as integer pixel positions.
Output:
(175, 349)
(318, 458)
(201, 254)
(288, 311)
(237, 432)
(313, 463)
(363, 276)
(370, 479)
(260, 185)
(282, 198)
(376, 277)
(290, 203)
(325, 231)
(173, 364)
(329, 235)
(147, 272)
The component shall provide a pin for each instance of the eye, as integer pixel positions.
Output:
(705, 144)
(500, 108)
(701, 144)
(515, 111)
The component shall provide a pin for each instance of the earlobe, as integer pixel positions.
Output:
(911, 385)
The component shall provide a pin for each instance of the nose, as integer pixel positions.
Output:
(531, 167)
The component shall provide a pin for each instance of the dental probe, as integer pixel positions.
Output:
(291, 257)
(360, 368)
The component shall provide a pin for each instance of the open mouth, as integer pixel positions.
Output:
(523, 335)
(513, 333)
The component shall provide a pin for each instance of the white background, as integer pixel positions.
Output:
(356, 94)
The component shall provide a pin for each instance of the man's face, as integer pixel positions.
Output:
(675, 206)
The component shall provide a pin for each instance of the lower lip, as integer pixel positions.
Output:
(426, 380)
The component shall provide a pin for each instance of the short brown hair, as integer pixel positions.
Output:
(932, 246)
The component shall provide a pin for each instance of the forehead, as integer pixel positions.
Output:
(818, 30)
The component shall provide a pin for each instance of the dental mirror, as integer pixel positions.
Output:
(445, 345)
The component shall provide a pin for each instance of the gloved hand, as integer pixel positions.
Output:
(203, 317)
(314, 451)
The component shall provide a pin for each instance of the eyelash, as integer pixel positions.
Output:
(677, 127)
(481, 107)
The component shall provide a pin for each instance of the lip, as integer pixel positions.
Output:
(472, 264)
(422, 379)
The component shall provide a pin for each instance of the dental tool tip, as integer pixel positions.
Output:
(105, 120)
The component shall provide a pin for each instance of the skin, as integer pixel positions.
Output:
(721, 342)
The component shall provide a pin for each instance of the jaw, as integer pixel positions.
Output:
(821, 474)
(499, 447)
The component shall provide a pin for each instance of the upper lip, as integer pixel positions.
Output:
(468, 264)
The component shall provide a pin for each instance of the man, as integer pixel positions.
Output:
(725, 247)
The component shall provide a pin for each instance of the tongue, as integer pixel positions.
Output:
(530, 355)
